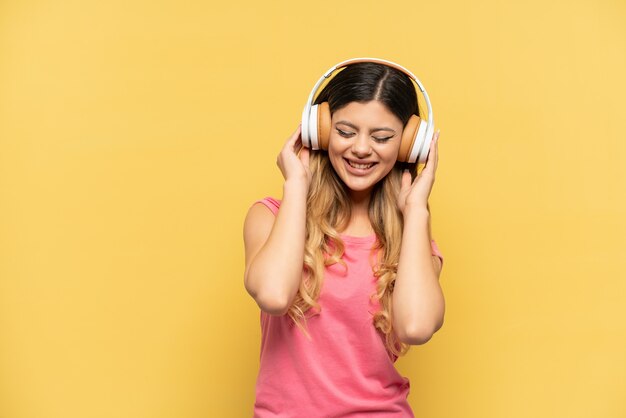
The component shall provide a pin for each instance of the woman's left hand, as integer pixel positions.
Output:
(416, 195)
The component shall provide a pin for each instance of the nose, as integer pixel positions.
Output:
(361, 145)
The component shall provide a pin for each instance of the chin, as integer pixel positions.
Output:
(359, 186)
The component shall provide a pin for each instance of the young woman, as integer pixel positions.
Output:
(344, 268)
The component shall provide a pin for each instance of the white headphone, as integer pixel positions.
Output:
(316, 125)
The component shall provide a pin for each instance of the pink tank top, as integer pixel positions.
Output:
(345, 369)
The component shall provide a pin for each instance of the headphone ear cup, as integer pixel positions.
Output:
(304, 131)
(409, 135)
(323, 125)
(312, 128)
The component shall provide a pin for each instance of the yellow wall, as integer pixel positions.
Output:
(135, 135)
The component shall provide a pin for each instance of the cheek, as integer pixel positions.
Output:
(393, 157)
(389, 153)
(336, 163)
(335, 158)
(334, 153)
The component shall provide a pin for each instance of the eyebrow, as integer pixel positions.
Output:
(345, 122)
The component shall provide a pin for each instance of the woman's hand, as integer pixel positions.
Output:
(294, 166)
(416, 195)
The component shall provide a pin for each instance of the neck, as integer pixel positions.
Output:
(359, 223)
(360, 203)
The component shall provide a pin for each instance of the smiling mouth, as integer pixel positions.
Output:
(360, 166)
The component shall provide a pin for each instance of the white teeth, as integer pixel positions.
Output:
(361, 166)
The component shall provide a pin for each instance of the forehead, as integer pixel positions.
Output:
(372, 113)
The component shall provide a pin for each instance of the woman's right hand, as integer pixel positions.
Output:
(294, 166)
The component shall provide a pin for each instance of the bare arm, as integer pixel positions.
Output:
(418, 302)
(275, 246)
(275, 251)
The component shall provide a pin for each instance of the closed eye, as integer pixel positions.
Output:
(383, 139)
(344, 134)
(350, 134)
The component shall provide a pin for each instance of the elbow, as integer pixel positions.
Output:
(271, 302)
(415, 337)
(418, 335)
(272, 305)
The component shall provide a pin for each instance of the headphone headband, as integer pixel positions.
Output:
(376, 60)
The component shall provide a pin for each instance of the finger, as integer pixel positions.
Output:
(436, 149)
(304, 156)
(294, 136)
(406, 180)
(431, 159)
(298, 145)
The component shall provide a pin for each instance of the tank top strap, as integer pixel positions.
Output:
(274, 204)
(271, 203)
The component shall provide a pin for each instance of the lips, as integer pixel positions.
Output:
(358, 167)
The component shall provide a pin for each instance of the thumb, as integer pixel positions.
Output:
(406, 180)
(304, 156)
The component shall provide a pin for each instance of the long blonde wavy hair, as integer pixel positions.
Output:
(329, 205)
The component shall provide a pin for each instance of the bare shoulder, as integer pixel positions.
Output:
(256, 229)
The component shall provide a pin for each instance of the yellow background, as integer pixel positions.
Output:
(135, 135)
